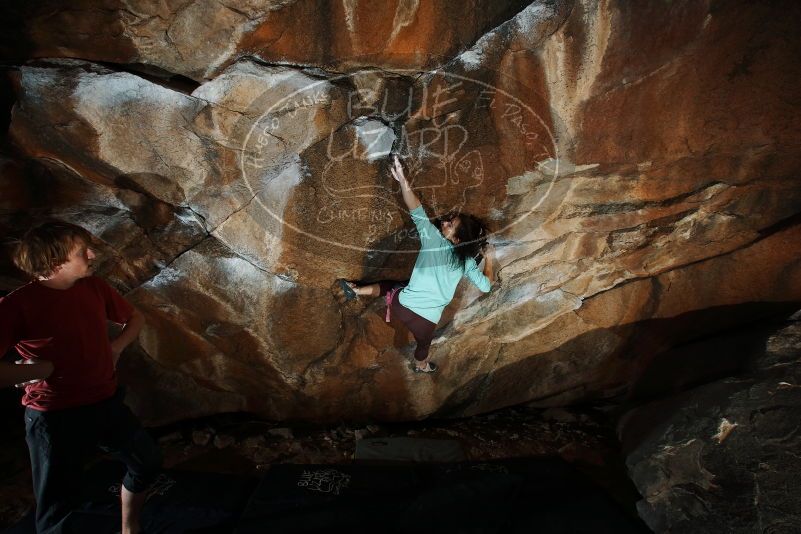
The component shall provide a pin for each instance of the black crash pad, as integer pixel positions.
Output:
(525, 496)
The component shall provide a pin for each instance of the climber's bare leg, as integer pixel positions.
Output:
(370, 290)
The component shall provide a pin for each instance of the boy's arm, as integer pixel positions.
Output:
(120, 311)
(128, 334)
(12, 374)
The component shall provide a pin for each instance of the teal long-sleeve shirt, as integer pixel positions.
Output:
(435, 277)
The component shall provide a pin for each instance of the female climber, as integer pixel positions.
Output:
(447, 253)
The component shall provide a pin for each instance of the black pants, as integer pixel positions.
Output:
(421, 328)
(59, 441)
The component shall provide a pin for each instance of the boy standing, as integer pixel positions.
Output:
(58, 324)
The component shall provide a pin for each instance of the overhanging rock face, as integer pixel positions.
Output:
(640, 193)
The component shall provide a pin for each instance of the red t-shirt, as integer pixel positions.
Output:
(68, 327)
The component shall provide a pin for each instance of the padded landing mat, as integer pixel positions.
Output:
(408, 450)
(526, 496)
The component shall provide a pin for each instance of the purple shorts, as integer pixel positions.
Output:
(421, 328)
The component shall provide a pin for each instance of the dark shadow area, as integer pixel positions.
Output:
(532, 495)
(179, 501)
(156, 75)
(727, 353)
(7, 99)
(14, 453)
(735, 353)
(15, 45)
(14, 460)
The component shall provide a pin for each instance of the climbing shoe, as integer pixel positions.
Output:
(348, 291)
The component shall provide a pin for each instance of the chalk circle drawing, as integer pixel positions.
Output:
(440, 162)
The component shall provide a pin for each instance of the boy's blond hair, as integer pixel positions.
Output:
(45, 247)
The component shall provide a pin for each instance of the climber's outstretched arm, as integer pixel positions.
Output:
(409, 197)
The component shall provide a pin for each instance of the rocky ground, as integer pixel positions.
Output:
(241, 444)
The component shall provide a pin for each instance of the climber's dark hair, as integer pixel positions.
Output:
(472, 234)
